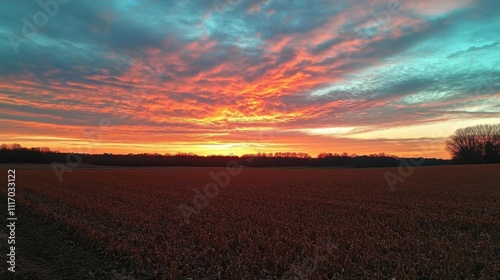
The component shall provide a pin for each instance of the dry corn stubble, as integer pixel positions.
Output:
(441, 223)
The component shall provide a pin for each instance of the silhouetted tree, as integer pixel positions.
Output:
(475, 144)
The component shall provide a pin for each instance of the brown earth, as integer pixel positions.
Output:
(439, 223)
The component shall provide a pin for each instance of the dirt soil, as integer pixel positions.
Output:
(46, 250)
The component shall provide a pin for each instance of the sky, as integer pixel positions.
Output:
(241, 76)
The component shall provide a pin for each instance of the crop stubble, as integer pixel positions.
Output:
(442, 222)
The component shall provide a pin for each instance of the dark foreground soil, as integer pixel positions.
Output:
(435, 223)
(46, 250)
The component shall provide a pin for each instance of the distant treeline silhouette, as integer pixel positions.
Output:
(15, 153)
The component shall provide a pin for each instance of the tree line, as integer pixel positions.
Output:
(15, 153)
(476, 144)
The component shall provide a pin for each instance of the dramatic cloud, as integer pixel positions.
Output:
(240, 76)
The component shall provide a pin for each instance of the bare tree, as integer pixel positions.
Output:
(475, 144)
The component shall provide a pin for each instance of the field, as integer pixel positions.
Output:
(440, 223)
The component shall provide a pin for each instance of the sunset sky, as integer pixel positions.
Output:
(240, 76)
